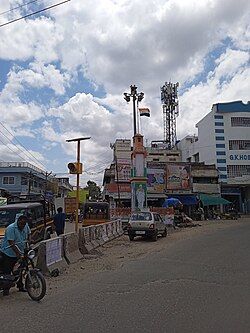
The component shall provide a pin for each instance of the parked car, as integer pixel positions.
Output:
(146, 224)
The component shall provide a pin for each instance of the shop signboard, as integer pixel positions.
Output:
(178, 177)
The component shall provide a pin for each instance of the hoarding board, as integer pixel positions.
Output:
(70, 205)
(178, 177)
(156, 180)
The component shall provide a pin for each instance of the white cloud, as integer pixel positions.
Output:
(114, 44)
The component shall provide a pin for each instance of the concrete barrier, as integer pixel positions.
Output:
(120, 228)
(50, 256)
(104, 233)
(98, 234)
(70, 248)
(85, 244)
(114, 229)
(109, 227)
(93, 239)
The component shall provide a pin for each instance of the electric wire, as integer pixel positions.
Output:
(34, 13)
(20, 6)
(16, 152)
(33, 157)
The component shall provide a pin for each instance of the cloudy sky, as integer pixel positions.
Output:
(63, 72)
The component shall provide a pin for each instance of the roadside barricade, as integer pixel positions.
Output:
(85, 244)
(93, 239)
(50, 256)
(120, 230)
(98, 234)
(70, 247)
(104, 232)
(114, 229)
(109, 227)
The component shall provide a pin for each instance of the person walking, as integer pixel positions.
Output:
(16, 236)
(59, 221)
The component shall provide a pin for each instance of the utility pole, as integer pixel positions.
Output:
(76, 168)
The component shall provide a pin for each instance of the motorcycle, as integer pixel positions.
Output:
(24, 269)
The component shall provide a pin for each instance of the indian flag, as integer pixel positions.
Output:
(144, 112)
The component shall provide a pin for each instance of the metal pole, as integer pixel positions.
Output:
(134, 114)
(77, 186)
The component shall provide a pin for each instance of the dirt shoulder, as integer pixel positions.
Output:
(119, 251)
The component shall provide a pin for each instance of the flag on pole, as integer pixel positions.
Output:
(144, 112)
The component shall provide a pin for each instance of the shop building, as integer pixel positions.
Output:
(224, 140)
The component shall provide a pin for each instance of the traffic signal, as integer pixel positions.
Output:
(75, 168)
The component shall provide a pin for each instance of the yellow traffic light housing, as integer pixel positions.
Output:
(75, 168)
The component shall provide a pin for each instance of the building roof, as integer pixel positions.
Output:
(236, 106)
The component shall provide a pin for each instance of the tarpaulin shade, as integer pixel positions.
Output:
(171, 202)
(210, 200)
(187, 199)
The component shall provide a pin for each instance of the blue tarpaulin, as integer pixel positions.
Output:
(187, 199)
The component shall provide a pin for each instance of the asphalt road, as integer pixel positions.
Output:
(199, 284)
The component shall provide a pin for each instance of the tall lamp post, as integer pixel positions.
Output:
(76, 168)
(138, 158)
(135, 96)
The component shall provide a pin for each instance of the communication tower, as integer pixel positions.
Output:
(170, 107)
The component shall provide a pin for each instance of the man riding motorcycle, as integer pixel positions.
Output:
(16, 236)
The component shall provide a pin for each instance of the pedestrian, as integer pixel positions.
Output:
(59, 221)
(16, 236)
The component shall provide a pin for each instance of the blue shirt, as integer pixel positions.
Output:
(13, 233)
(59, 221)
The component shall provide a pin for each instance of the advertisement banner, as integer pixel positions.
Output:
(156, 180)
(178, 177)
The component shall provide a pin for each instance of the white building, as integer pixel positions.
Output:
(224, 140)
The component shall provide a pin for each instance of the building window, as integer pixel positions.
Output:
(238, 170)
(196, 157)
(219, 138)
(239, 144)
(219, 130)
(221, 153)
(221, 161)
(223, 176)
(8, 180)
(24, 181)
(216, 116)
(217, 123)
(220, 145)
(222, 168)
(240, 121)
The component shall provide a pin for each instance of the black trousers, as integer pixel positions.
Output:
(7, 265)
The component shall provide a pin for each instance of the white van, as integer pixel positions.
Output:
(146, 224)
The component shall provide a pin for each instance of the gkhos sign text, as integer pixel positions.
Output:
(241, 157)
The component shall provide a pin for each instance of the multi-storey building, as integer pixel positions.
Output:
(224, 140)
(23, 180)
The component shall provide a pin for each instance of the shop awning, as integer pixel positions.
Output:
(187, 199)
(210, 200)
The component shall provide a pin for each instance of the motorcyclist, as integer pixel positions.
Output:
(16, 236)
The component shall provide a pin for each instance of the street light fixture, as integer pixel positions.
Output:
(135, 96)
(78, 140)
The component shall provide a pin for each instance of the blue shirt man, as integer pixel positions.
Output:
(13, 245)
(59, 221)
(18, 234)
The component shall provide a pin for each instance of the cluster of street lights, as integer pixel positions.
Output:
(135, 97)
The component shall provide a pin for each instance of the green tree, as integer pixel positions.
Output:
(94, 190)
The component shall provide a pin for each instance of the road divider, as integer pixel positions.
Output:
(56, 253)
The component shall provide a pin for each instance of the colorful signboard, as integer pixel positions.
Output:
(156, 180)
(178, 177)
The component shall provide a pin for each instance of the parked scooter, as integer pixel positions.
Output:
(25, 269)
